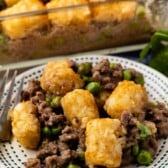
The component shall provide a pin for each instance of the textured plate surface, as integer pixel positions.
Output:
(12, 155)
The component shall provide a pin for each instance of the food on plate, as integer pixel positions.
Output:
(70, 30)
(78, 129)
(20, 27)
(59, 78)
(25, 124)
(70, 16)
(133, 99)
(79, 107)
(103, 146)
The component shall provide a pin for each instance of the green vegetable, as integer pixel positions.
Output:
(48, 99)
(59, 41)
(140, 12)
(159, 60)
(139, 79)
(85, 68)
(145, 51)
(135, 150)
(144, 157)
(112, 65)
(73, 166)
(93, 87)
(81, 154)
(46, 131)
(134, 25)
(158, 37)
(127, 75)
(144, 131)
(158, 48)
(87, 79)
(56, 130)
(83, 39)
(56, 102)
(3, 39)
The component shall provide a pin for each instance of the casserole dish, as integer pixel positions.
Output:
(33, 29)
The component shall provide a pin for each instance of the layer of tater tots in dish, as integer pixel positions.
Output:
(85, 115)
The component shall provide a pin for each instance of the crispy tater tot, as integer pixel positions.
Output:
(71, 16)
(119, 11)
(58, 78)
(25, 125)
(127, 96)
(103, 146)
(20, 27)
(79, 107)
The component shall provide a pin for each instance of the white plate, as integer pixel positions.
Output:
(13, 154)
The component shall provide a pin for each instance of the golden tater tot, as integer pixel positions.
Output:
(79, 107)
(103, 147)
(58, 78)
(25, 125)
(127, 96)
(21, 26)
(71, 15)
(114, 11)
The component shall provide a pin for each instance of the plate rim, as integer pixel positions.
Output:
(97, 55)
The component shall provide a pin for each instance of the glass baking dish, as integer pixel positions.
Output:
(35, 29)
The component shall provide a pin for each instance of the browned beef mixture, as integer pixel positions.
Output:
(64, 40)
(107, 76)
(68, 145)
(57, 153)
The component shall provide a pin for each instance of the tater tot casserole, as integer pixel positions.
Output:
(63, 28)
(85, 115)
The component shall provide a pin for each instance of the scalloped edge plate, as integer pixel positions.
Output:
(13, 154)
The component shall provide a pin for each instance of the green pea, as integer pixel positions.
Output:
(56, 102)
(85, 68)
(127, 75)
(140, 12)
(144, 157)
(144, 131)
(48, 99)
(81, 153)
(112, 65)
(73, 166)
(46, 131)
(87, 79)
(56, 130)
(3, 38)
(140, 79)
(59, 41)
(93, 87)
(135, 149)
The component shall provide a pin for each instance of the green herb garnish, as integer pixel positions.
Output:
(158, 48)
